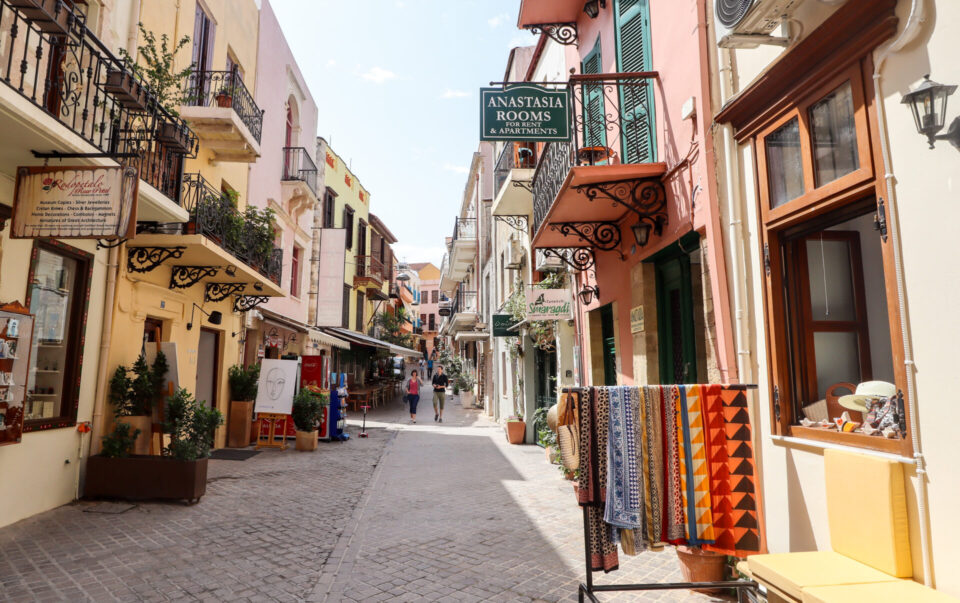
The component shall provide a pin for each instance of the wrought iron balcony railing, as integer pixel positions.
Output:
(298, 165)
(61, 67)
(515, 155)
(465, 302)
(555, 161)
(225, 89)
(213, 214)
(371, 267)
(464, 228)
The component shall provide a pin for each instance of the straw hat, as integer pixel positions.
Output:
(868, 390)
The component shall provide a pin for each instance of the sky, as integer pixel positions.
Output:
(396, 84)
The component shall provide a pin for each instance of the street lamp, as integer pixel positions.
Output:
(588, 293)
(641, 232)
(592, 7)
(928, 102)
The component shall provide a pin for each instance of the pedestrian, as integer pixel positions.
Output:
(440, 382)
(420, 364)
(412, 388)
(430, 368)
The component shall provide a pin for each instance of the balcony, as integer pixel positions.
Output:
(464, 313)
(463, 247)
(66, 92)
(299, 179)
(369, 276)
(608, 170)
(223, 113)
(512, 178)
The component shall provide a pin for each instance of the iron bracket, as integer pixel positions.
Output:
(216, 292)
(577, 258)
(562, 33)
(184, 277)
(646, 197)
(242, 303)
(604, 236)
(518, 222)
(146, 259)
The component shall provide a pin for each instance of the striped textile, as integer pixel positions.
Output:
(674, 518)
(694, 472)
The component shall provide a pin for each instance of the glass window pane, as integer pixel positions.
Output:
(831, 280)
(784, 163)
(838, 359)
(834, 135)
(51, 301)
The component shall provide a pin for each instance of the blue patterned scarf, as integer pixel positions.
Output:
(625, 493)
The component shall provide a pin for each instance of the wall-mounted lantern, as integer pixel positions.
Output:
(592, 7)
(928, 102)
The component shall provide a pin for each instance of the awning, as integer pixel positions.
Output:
(471, 336)
(321, 338)
(371, 341)
(282, 321)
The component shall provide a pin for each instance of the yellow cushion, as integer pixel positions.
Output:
(792, 572)
(867, 511)
(900, 591)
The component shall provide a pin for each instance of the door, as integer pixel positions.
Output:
(208, 355)
(678, 352)
(594, 124)
(609, 339)
(545, 386)
(202, 55)
(636, 99)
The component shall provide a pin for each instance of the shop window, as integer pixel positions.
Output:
(295, 270)
(784, 163)
(57, 297)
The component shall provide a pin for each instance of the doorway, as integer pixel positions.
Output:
(545, 385)
(609, 343)
(208, 356)
(678, 350)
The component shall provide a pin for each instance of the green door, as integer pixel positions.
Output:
(608, 336)
(594, 125)
(637, 141)
(678, 352)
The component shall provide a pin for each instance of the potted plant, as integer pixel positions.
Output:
(546, 437)
(465, 383)
(243, 394)
(134, 392)
(307, 414)
(180, 473)
(227, 90)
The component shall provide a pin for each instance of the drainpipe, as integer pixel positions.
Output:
(133, 29)
(914, 22)
(106, 330)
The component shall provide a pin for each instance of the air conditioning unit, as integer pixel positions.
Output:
(549, 263)
(515, 255)
(748, 23)
(444, 307)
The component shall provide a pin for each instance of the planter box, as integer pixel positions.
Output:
(238, 430)
(306, 441)
(51, 16)
(175, 136)
(466, 399)
(126, 89)
(145, 425)
(224, 100)
(145, 478)
(515, 431)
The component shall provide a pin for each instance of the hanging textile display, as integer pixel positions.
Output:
(625, 506)
(651, 448)
(732, 471)
(673, 512)
(593, 414)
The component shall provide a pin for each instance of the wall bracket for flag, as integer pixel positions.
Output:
(561, 33)
(518, 222)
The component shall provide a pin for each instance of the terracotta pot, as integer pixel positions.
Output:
(698, 565)
(515, 431)
(143, 423)
(568, 475)
(224, 100)
(238, 431)
(145, 478)
(306, 440)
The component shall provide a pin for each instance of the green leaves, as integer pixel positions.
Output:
(157, 68)
(118, 444)
(307, 410)
(243, 382)
(135, 391)
(190, 425)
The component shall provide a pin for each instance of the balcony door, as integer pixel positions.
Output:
(202, 57)
(636, 96)
(594, 126)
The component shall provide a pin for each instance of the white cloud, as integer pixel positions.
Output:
(419, 253)
(378, 75)
(331, 63)
(498, 20)
(451, 93)
(459, 169)
(522, 39)
(401, 4)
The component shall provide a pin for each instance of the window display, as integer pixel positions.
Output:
(16, 330)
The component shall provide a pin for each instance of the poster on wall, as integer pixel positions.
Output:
(549, 304)
(75, 202)
(277, 386)
(333, 251)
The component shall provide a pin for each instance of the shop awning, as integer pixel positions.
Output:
(371, 341)
(471, 336)
(321, 338)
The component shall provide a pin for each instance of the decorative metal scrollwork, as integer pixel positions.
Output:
(561, 33)
(242, 303)
(602, 235)
(110, 244)
(183, 277)
(526, 185)
(146, 259)
(220, 291)
(518, 222)
(645, 197)
(578, 258)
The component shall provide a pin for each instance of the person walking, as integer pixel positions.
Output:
(430, 368)
(420, 365)
(412, 387)
(440, 382)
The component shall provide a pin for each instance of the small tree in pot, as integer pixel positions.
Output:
(243, 393)
(134, 392)
(307, 414)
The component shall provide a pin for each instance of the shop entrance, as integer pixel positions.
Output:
(208, 354)
(545, 385)
(608, 335)
(678, 351)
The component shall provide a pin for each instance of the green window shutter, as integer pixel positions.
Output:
(594, 126)
(636, 101)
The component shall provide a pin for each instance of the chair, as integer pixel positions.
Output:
(834, 409)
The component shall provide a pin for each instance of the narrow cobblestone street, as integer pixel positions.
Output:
(431, 512)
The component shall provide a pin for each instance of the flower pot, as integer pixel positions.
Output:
(145, 425)
(224, 100)
(516, 431)
(145, 478)
(126, 89)
(568, 475)
(238, 431)
(466, 399)
(175, 137)
(698, 565)
(306, 440)
(51, 16)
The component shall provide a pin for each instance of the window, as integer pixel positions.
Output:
(295, 271)
(361, 237)
(348, 224)
(233, 66)
(423, 320)
(831, 324)
(433, 322)
(329, 201)
(434, 296)
(359, 317)
(346, 306)
(59, 281)
(203, 35)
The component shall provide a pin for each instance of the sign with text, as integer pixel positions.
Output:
(549, 304)
(502, 324)
(524, 113)
(636, 319)
(333, 251)
(75, 202)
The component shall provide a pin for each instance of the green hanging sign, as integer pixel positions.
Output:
(502, 324)
(524, 113)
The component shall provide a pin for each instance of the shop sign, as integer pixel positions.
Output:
(502, 324)
(549, 304)
(333, 242)
(278, 383)
(524, 113)
(75, 202)
(636, 319)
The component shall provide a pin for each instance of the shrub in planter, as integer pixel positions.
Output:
(307, 414)
(134, 392)
(243, 393)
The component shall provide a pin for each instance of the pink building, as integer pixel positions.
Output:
(284, 179)
(429, 298)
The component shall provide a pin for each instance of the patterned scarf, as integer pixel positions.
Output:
(626, 506)
(651, 446)
(694, 473)
(586, 482)
(593, 412)
(674, 515)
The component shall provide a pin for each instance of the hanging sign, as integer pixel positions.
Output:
(524, 113)
(549, 304)
(502, 324)
(75, 202)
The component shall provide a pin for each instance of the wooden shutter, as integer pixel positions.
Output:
(594, 128)
(636, 102)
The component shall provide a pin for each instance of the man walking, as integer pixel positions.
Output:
(439, 394)
(430, 368)
(420, 365)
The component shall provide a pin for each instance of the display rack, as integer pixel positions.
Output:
(588, 589)
(16, 342)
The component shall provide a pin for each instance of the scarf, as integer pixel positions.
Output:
(673, 510)
(651, 446)
(694, 473)
(626, 505)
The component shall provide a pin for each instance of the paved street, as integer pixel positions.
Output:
(427, 512)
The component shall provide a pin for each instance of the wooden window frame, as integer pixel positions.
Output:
(852, 190)
(295, 259)
(75, 338)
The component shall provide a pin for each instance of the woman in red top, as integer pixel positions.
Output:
(413, 394)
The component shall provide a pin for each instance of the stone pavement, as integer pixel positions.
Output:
(431, 512)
